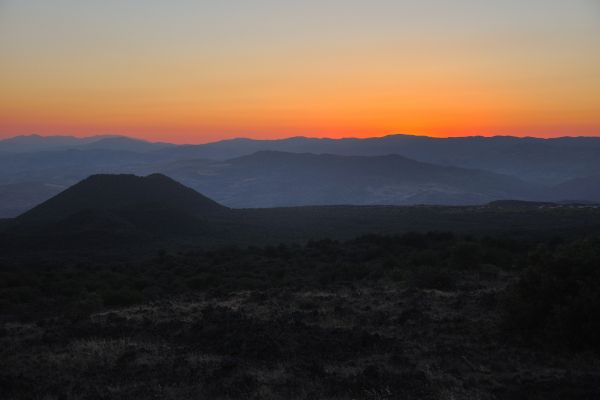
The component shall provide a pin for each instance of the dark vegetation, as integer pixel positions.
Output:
(125, 287)
(427, 261)
(557, 298)
(419, 315)
(125, 214)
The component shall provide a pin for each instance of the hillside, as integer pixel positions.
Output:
(545, 164)
(120, 213)
(546, 161)
(274, 179)
(585, 189)
(114, 192)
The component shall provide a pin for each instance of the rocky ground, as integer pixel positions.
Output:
(360, 342)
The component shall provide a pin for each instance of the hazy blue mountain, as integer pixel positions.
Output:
(66, 167)
(542, 161)
(36, 143)
(547, 161)
(269, 179)
(586, 189)
(216, 168)
(17, 198)
(122, 143)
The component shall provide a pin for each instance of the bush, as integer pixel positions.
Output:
(427, 277)
(84, 306)
(556, 300)
(121, 297)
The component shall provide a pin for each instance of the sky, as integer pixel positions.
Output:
(196, 71)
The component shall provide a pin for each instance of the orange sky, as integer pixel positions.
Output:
(184, 71)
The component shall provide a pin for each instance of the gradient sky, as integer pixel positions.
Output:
(196, 71)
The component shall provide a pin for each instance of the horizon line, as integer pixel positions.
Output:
(101, 136)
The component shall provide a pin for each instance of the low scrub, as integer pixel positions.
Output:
(556, 300)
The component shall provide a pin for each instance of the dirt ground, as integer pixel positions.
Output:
(372, 342)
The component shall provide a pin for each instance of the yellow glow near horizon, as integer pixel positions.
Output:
(189, 72)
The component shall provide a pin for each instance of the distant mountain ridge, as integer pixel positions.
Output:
(272, 179)
(122, 213)
(586, 188)
(37, 143)
(34, 143)
(561, 169)
(546, 161)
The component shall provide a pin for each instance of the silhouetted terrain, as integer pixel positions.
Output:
(36, 143)
(129, 287)
(402, 317)
(114, 192)
(547, 161)
(585, 188)
(398, 169)
(269, 179)
(127, 213)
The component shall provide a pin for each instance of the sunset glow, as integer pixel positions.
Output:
(189, 71)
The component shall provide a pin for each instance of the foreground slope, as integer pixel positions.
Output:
(418, 316)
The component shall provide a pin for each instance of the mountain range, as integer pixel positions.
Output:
(393, 170)
(127, 213)
(35, 143)
(274, 179)
(546, 161)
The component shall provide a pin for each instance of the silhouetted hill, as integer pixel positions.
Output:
(118, 192)
(269, 179)
(520, 203)
(125, 214)
(216, 169)
(585, 189)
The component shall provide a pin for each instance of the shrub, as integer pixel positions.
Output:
(557, 300)
(121, 297)
(427, 277)
(84, 306)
